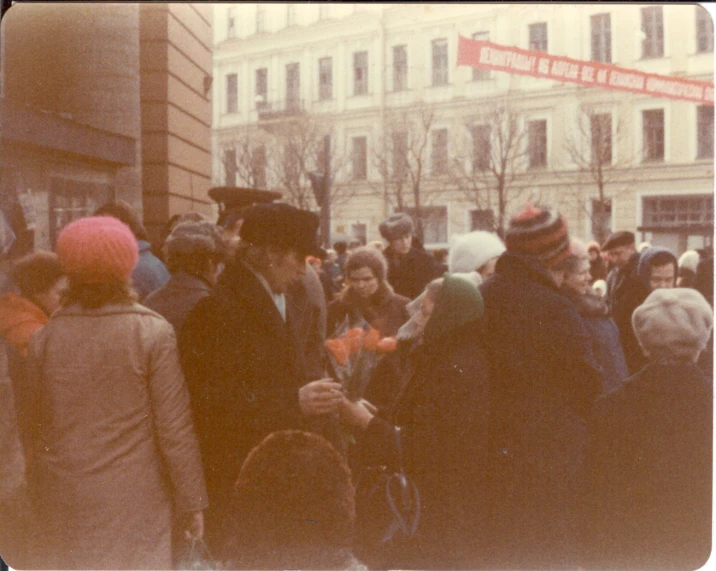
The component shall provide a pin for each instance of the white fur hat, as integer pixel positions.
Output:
(689, 260)
(674, 323)
(471, 251)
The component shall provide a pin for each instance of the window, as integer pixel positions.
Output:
(538, 37)
(232, 93)
(670, 211)
(601, 131)
(482, 219)
(325, 78)
(230, 23)
(261, 86)
(481, 149)
(653, 134)
(260, 18)
(439, 154)
(434, 221)
(68, 200)
(480, 74)
(705, 132)
(324, 11)
(359, 157)
(291, 166)
(601, 25)
(360, 73)
(652, 25)
(537, 143)
(400, 155)
(704, 31)
(293, 86)
(230, 166)
(258, 167)
(291, 15)
(440, 62)
(400, 68)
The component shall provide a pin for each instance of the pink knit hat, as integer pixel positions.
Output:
(97, 249)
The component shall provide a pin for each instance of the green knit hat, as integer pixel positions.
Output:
(458, 302)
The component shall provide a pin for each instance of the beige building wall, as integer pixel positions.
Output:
(241, 47)
(176, 62)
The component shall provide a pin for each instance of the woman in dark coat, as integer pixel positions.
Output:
(442, 415)
(593, 309)
(647, 477)
(368, 296)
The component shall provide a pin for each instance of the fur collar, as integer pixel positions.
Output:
(591, 304)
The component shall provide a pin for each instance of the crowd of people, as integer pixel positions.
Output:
(548, 404)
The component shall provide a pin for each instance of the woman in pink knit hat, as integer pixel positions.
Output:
(113, 457)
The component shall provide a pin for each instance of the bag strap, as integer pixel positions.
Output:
(406, 510)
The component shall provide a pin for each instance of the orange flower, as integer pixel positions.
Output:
(387, 344)
(370, 342)
(339, 350)
(354, 339)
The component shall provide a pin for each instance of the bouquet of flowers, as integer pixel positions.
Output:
(354, 353)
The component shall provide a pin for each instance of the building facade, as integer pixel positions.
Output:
(461, 148)
(97, 103)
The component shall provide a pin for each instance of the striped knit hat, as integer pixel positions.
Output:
(539, 232)
(97, 249)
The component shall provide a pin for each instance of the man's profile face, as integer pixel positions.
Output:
(619, 256)
(662, 277)
(284, 268)
(402, 245)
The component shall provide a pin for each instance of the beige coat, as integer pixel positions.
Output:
(113, 444)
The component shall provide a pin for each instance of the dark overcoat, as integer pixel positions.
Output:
(411, 272)
(443, 415)
(648, 472)
(626, 292)
(243, 373)
(175, 299)
(604, 335)
(544, 381)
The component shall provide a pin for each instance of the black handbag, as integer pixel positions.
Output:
(387, 510)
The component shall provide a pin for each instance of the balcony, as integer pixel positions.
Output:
(280, 110)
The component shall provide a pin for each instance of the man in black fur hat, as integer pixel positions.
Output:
(242, 359)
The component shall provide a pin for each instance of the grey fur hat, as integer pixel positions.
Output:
(396, 226)
(673, 323)
(195, 238)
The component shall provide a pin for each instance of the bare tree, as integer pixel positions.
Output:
(293, 154)
(248, 160)
(498, 155)
(402, 158)
(591, 148)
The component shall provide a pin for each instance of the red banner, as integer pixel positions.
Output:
(486, 55)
